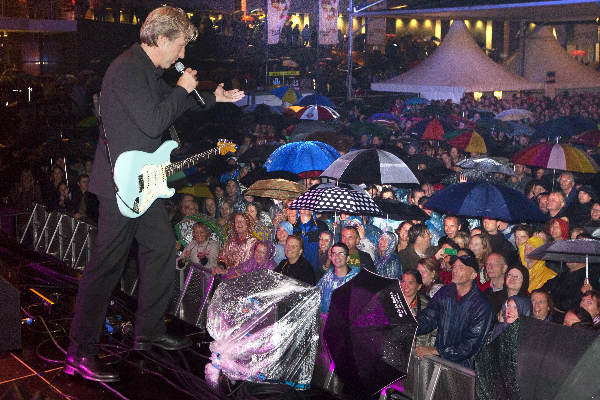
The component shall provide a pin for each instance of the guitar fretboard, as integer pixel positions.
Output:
(179, 166)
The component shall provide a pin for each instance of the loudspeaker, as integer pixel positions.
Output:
(10, 317)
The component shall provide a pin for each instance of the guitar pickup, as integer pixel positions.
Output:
(136, 205)
(141, 183)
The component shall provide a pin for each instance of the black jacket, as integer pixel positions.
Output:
(136, 107)
(301, 270)
(462, 324)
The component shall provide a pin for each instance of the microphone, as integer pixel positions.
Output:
(180, 68)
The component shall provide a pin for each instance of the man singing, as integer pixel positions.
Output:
(136, 107)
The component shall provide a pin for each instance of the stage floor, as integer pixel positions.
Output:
(36, 369)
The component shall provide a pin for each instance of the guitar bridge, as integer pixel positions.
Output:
(141, 182)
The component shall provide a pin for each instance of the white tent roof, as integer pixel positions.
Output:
(457, 66)
(543, 53)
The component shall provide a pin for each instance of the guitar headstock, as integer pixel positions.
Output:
(226, 146)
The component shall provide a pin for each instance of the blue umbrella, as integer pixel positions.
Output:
(383, 117)
(302, 157)
(483, 199)
(287, 93)
(314, 99)
(564, 127)
(415, 101)
(518, 129)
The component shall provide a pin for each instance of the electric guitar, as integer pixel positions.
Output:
(141, 177)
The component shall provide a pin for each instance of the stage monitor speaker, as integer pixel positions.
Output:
(10, 317)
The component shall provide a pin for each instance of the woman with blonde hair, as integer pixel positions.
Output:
(429, 269)
(481, 246)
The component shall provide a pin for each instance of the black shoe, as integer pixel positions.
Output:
(164, 341)
(90, 368)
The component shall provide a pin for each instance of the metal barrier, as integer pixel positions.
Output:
(434, 378)
(191, 299)
(60, 235)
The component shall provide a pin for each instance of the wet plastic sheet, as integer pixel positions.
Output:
(265, 328)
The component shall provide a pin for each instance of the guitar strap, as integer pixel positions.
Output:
(108, 156)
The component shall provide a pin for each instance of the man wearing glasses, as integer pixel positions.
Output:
(461, 313)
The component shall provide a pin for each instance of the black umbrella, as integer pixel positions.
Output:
(399, 211)
(370, 331)
(486, 164)
(258, 153)
(329, 198)
(370, 166)
(576, 250)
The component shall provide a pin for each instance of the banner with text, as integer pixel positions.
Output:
(328, 16)
(277, 12)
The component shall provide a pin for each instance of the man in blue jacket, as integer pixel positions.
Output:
(461, 313)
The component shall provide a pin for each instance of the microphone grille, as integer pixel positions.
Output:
(179, 67)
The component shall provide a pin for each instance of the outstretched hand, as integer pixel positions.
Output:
(227, 96)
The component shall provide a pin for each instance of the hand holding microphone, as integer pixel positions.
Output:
(188, 81)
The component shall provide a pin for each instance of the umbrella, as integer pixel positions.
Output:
(184, 228)
(431, 129)
(486, 164)
(469, 141)
(197, 190)
(306, 127)
(493, 124)
(390, 125)
(399, 211)
(483, 199)
(383, 117)
(263, 108)
(517, 129)
(576, 250)
(287, 94)
(359, 128)
(261, 173)
(314, 99)
(329, 198)
(302, 157)
(276, 189)
(413, 101)
(370, 166)
(258, 153)
(514, 114)
(317, 113)
(588, 138)
(556, 156)
(370, 331)
(565, 127)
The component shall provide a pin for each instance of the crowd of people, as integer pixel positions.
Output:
(465, 280)
(461, 277)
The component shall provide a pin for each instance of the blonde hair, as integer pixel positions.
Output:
(169, 22)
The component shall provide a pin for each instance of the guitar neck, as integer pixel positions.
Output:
(179, 166)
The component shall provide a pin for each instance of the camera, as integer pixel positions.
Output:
(204, 260)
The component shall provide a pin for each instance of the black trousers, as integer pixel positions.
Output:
(156, 271)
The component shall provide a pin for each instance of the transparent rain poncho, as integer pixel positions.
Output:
(265, 328)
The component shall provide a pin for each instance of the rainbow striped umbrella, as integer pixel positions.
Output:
(556, 156)
(469, 141)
